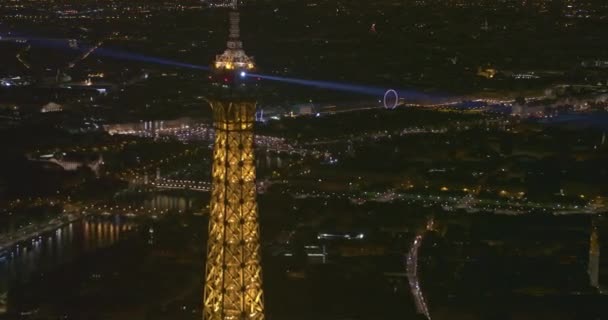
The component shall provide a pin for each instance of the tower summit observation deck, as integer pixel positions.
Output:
(230, 69)
(233, 275)
(234, 57)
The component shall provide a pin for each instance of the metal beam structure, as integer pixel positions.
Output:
(233, 280)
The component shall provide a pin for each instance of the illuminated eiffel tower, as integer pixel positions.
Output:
(233, 278)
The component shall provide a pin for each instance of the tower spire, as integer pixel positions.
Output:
(234, 56)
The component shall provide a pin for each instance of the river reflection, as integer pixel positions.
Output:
(169, 202)
(59, 247)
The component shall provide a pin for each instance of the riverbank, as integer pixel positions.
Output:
(12, 239)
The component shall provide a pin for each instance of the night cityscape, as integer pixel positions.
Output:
(303, 159)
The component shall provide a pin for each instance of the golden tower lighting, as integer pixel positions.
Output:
(233, 280)
(233, 275)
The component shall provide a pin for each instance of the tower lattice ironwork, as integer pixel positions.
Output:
(233, 280)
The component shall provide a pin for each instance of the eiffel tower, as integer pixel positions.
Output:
(233, 276)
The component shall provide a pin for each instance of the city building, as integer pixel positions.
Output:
(51, 107)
